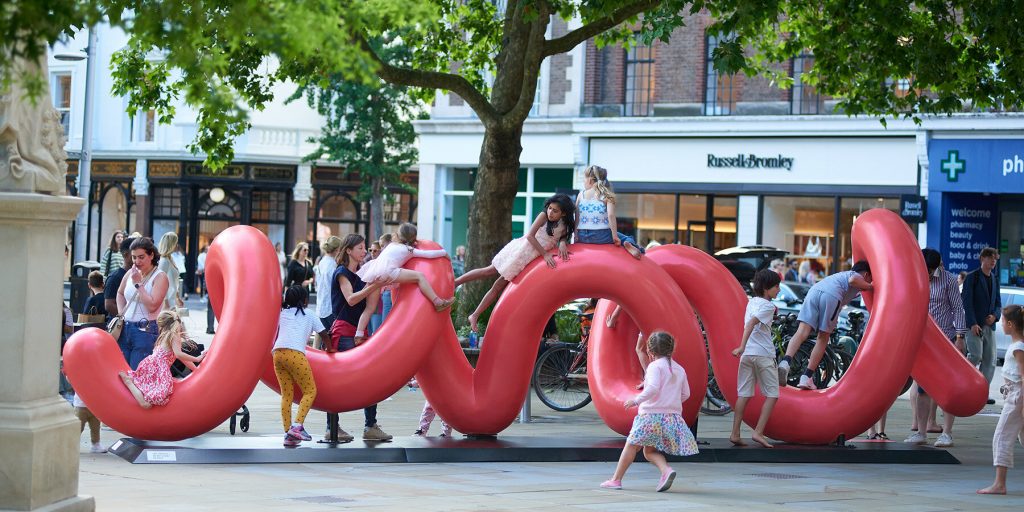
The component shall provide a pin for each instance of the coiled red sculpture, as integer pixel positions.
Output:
(664, 291)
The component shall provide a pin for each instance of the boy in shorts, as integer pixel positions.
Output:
(820, 312)
(757, 363)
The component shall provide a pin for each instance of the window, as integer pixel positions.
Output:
(62, 100)
(806, 99)
(143, 127)
(720, 95)
(639, 80)
(166, 201)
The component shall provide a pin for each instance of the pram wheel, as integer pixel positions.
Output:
(242, 424)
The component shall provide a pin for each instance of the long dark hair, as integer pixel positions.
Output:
(568, 208)
(113, 245)
(295, 297)
(349, 242)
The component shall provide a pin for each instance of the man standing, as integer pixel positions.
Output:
(981, 308)
(793, 274)
(947, 310)
(113, 282)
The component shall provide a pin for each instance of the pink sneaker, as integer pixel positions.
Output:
(291, 442)
(298, 432)
(666, 480)
(612, 484)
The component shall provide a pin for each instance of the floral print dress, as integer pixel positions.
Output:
(153, 376)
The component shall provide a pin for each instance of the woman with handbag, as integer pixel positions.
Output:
(139, 300)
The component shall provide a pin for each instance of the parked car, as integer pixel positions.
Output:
(757, 256)
(1009, 295)
(791, 298)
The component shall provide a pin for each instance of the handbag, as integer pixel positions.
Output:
(116, 324)
(91, 318)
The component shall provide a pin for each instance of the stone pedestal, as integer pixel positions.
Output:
(39, 434)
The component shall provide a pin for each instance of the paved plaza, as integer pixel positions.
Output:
(118, 485)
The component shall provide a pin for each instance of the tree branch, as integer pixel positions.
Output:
(433, 80)
(570, 40)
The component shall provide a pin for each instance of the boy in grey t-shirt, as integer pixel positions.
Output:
(820, 311)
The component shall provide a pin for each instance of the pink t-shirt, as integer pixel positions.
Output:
(665, 388)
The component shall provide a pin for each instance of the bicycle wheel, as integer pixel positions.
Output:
(557, 384)
(715, 403)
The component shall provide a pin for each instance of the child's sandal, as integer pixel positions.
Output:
(443, 304)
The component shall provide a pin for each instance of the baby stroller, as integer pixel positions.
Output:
(180, 371)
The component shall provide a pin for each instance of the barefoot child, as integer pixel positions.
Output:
(757, 363)
(387, 269)
(553, 227)
(820, 312)
(596, 204)
(659, 427)
(1011, 420)
(151, 382)
(290, 364)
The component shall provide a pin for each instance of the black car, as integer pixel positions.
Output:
(744, 261)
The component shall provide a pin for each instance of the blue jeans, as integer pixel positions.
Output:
(369, 413)
(386, 300)
(135, 343)
(375, 320)
(604, 236)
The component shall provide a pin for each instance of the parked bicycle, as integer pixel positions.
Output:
(560, 375)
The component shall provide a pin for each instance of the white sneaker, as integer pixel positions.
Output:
(806, 383)
(97, 448)
(916, 438)
(783, 373)
(944, 441)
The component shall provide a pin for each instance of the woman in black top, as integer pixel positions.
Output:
(300, 268)
(348, 300)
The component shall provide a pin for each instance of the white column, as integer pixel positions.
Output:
(141, 177)
(303, 183)
(38, 432)
(426, 204)
(922, 163)
(746, 220)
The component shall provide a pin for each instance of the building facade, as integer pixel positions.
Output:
(695, 156)
(144, 178)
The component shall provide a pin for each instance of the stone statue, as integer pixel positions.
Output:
(32, 156)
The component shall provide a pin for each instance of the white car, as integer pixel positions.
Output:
(1009, 295)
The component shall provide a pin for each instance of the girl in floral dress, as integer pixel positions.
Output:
(553, 227)
(151, 383)
(659, 427)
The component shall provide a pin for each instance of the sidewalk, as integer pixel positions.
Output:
(118, 485)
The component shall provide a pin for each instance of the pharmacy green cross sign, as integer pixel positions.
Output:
(952, 166)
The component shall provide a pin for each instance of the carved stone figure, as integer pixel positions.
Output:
(32, 156)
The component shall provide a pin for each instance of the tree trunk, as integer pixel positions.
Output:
(377, 209)
(490, 213)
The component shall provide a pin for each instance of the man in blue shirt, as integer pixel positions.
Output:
(982, 306)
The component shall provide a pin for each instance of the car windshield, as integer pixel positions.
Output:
(794, 291)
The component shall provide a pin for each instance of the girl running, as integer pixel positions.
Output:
(659, 427)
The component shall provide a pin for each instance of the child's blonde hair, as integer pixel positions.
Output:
(385, 239)
(407, 234)
(661, 344)
(169, 324)
(600, 175)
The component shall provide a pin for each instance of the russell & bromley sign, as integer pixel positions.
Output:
(751, 161)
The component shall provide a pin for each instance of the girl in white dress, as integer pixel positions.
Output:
(387, 269)
(554, 226)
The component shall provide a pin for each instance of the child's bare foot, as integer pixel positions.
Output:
(760, 439)
(472, 321)
(737, 441)
(633, 251)
(443, 304)
(992, 489)
(128, 383)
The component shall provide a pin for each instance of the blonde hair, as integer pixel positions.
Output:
(169, 324)
(385, 239)
(298, 249)
(330, 245)
(167, 244)
(661, 344)
(600, 175)
(407, 234)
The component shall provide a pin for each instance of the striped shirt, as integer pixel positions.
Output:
(945, 305)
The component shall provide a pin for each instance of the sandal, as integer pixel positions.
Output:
(443, 304)
(882, 436)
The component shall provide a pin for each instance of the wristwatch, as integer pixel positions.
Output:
(137, 285)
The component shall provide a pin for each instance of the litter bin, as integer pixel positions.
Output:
(80, 284)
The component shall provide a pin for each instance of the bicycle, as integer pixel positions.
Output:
(560, 375)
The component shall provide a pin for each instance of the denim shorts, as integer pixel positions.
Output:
(603, 236)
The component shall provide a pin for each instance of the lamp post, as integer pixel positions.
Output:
(85, 161)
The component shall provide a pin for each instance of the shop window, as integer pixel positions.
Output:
(552, 180)
(724, 210)
(166, 201)
(62, 100)
(639, 80)
(850, 209)
(692, 227)
(802, 226)
(720, 93)
(806, 99)
(270, 205)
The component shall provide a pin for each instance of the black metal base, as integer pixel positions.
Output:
(270, 450)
